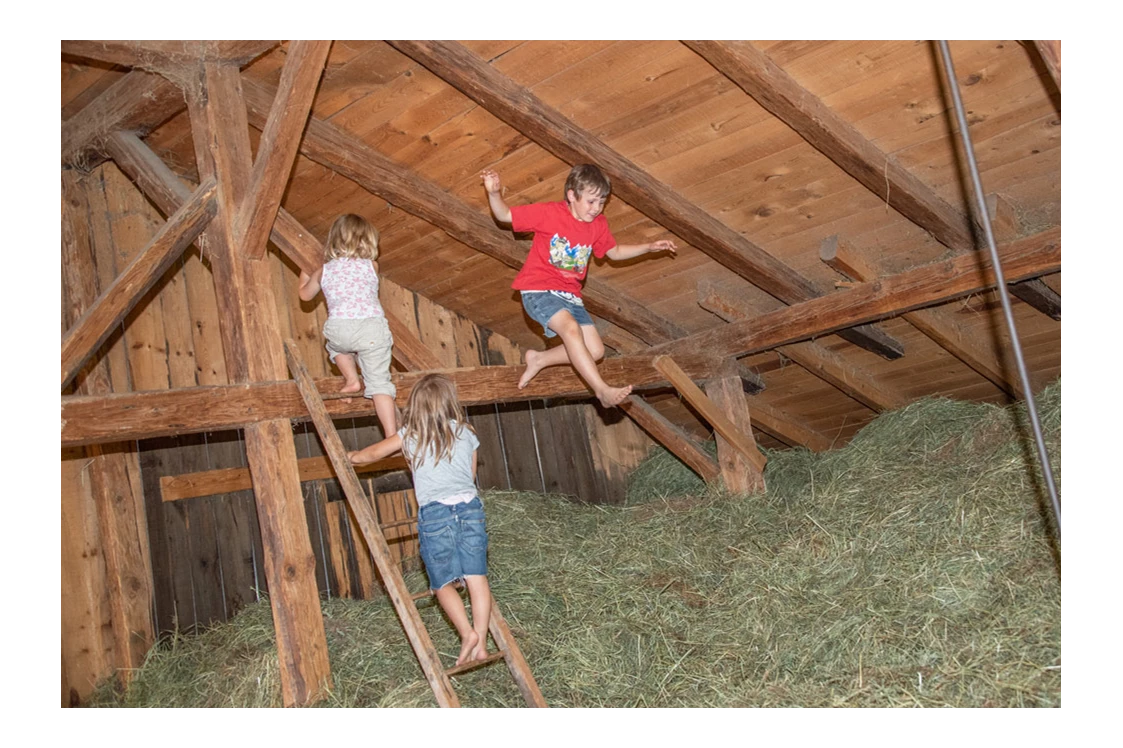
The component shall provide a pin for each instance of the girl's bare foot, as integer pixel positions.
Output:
(533, 366)
(610, 397)
(467, 647)
(350, 387)
(480, 652)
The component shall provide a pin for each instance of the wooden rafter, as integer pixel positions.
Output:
(785, 428)
(280, 140)
(838, 140)
(1050, 51)
(525, 112)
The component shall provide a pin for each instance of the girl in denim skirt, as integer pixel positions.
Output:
(440, 447)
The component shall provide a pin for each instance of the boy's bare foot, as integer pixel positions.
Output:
(610, 397)
(533, 366)
(467, 648)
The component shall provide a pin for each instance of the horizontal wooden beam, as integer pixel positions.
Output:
(168, 56)
(141, 415)
(228, 480)
(924, 286)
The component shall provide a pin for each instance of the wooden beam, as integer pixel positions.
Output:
(674, 439)
(345, 154)
(1050, 51)
(522, 110)
(229, 480)
(116, 301)
(929, 285)
(174, 57)
(304, 64)
(122, 530)
(940, 326)
(1007, 226)
(838, 140)
(708, 410)
(787, 429)
(139, 102)
(739, 474)
(141, 415)
(254, 352)
(811, 355)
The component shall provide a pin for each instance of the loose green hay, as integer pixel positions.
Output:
(914, 567)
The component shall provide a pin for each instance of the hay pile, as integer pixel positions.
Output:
(914, 567)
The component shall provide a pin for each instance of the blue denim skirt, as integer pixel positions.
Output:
(453, 541)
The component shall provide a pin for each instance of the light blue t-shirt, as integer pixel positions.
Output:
(433, 481)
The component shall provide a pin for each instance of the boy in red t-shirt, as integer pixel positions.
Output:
(565, 235)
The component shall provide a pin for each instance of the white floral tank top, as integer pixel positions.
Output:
(350, 286)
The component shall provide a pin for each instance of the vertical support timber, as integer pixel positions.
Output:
(254, 352)
(739, 474)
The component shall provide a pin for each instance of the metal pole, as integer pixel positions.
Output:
(980, 203)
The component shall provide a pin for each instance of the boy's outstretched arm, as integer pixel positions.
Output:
(309, 284)
(628, 251)
(494, 187)
(377, 451)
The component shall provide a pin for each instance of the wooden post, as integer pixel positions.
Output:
(740, 474)
(253, 348)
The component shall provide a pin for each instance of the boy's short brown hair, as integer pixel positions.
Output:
(587, 176)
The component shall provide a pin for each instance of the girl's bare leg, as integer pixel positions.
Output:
(453, 607)
(387, 414)
(350, 371)
(479, 592)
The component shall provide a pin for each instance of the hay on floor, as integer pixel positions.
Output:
(914, 567)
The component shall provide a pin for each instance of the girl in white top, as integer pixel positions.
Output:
(441, 449)
(356, 328)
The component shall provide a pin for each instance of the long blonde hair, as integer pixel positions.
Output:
(427, 422)
(351, 236)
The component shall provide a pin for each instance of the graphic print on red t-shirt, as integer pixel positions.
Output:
(562, 247)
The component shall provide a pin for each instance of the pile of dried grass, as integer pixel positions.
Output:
(915, 566)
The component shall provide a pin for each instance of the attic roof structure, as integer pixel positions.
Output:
(829, 247)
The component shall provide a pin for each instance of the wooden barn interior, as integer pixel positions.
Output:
(831, 265)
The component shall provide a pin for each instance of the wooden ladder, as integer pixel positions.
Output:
(400, 596)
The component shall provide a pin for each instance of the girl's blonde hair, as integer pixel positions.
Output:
(427, 422)
(351, 236)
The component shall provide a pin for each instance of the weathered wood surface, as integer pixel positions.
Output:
(146, 414)
(739, 474)
(677, 442)
(280, 139)
(1031, 257)
(942, 328)
(1050, 51)
(111, 306)
(811, 355)
(122, 538)
(167, 56)
(711, 412)
(229, 480)
(787, 429)
(253, 352)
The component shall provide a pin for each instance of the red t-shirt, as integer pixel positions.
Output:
(559, 256)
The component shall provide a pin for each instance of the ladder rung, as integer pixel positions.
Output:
(421, 595)
(458, 669)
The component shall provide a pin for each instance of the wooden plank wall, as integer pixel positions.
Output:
(206, 552)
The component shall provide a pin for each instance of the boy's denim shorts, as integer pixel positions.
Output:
(542, 305)
(453, 541)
